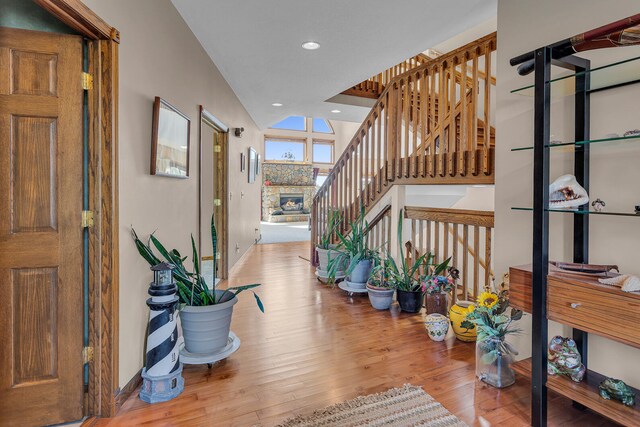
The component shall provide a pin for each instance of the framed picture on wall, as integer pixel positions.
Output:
(253, 157)
(258, 164)
(169, 141)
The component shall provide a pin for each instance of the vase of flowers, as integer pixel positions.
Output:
(494, 355)
(437, 290)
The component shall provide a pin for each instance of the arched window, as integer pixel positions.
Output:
(322, 126)
(292, 123)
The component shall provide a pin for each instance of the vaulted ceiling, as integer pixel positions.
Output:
(256, 44)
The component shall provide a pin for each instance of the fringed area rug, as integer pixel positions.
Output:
(401, 407)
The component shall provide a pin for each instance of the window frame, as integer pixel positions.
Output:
(329, 142)
(275, 138)
(327, 121)
(305, 130)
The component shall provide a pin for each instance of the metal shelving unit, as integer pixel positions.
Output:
(581, 89)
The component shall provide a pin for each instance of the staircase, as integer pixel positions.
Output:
(429, 125)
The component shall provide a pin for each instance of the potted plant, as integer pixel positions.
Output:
(205, 311)
(325, 248)
(409, 284)
(379, 287)
(355, 254)
(493, 320)
(437, 290)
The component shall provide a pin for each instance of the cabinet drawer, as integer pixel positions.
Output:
(591, 307)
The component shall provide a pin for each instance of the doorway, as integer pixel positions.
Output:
(41, 237)
(213, 200)
(41, 212)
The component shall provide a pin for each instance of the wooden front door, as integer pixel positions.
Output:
(41, 304)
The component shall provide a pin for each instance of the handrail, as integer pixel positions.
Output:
(459, 216)
(374, 86)
(379, 102)
(376, 219)
(431, 125)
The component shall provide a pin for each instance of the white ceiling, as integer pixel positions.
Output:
(256, 44)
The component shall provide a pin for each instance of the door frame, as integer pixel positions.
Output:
(103, 41)
(221, 185)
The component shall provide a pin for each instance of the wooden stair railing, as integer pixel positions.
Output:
(374, 86)
(379, 231)
(471, 235)
(427, 127)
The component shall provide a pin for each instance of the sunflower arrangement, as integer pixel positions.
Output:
(493, 318)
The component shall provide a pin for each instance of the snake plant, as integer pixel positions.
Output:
(354, 248)
(192, 288)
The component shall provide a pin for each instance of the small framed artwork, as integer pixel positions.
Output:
(242, 162)
(169, 141)
(258, 164)
(253, 157)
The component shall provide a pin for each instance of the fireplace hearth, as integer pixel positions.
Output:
(287, 191)
(291, 203)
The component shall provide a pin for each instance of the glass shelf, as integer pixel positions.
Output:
(605, 77)
(581, 212)
(575, 143)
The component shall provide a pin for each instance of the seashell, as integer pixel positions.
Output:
(616, 281)
(631, 284)
(626, 282)
(565, 192)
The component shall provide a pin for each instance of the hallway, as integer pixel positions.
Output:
(315, 346)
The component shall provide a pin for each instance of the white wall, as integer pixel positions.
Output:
(524, 26)
(159, 56)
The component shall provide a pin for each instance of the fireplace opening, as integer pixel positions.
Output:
(290, 203)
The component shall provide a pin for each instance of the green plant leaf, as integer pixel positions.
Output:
(260, 306)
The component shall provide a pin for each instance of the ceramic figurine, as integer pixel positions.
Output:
(564, 359)
(437, 326)
(626, 282)
(598, 205)
(617, 390)
(566, 193)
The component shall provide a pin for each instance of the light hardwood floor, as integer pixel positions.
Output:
(316, 346)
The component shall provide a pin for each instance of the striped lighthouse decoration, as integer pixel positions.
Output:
(162, 375)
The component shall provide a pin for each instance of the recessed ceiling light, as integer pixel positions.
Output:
(336, 111)
(277, 104)
(311, 45)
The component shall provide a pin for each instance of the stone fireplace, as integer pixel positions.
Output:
(287, 191)
(291, 203)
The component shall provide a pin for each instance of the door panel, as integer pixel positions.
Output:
(40, 228)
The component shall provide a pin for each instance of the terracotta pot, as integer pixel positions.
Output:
(437, 303)
(458, 314)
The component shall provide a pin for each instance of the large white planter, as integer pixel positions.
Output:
(324, 257)
(206, 329)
